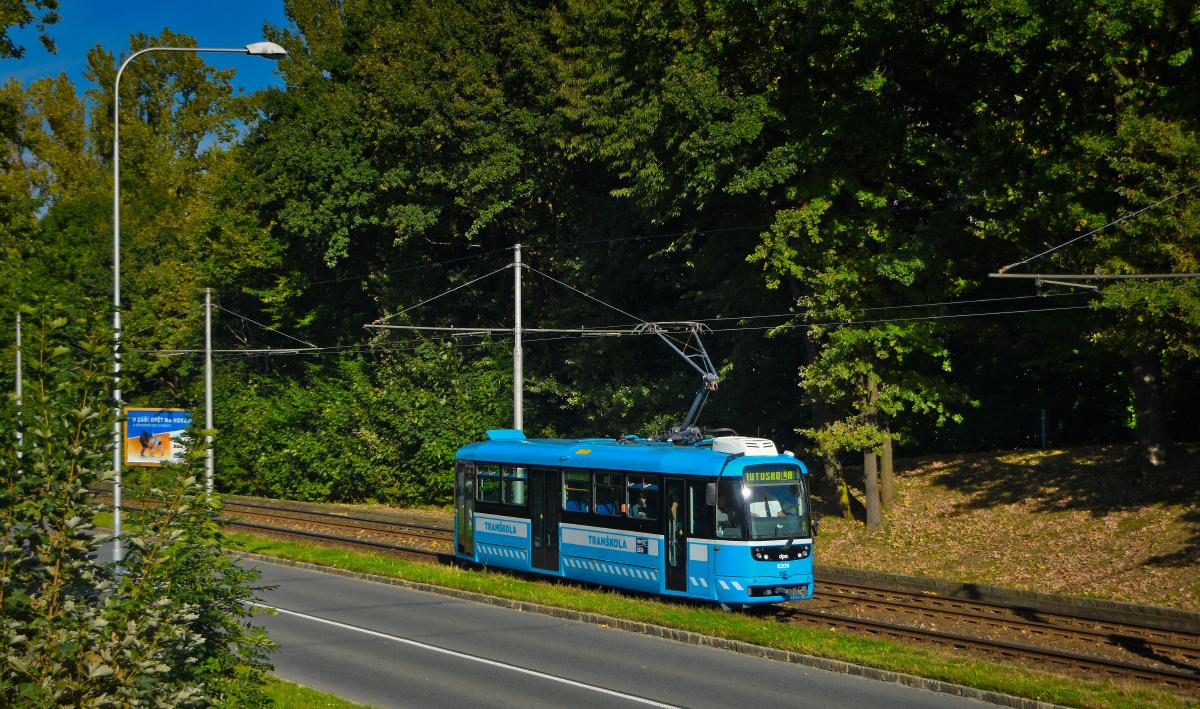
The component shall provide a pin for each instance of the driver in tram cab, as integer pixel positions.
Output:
(766, 502)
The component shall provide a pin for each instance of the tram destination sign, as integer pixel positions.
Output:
(772, 475)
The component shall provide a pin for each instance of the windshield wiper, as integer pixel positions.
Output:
(795, 531)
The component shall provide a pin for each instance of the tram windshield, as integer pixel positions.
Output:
(774, 502)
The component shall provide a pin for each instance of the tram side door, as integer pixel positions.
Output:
(464, 506)
(675, 538)
(543, 541)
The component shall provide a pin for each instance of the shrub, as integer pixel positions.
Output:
(165, 629)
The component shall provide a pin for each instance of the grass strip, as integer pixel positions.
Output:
(287, 695)
(709, 620)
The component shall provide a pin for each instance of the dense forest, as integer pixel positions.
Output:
(825, 184)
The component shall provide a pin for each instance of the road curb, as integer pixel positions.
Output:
(683, 636)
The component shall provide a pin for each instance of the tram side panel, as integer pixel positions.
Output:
(612, 557)
(699, 568)
(502, 541)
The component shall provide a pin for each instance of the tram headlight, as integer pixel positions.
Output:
(798, 551)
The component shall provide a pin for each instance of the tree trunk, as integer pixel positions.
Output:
(887, 478)
(1150, 407)
(871, 487)
(871, 463)
(833, 467)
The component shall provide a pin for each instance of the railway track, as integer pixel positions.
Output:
(1178, 649)
(1133, 637)
(437, 534)
(1052, 660)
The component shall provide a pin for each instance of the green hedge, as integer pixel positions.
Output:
(383, 428)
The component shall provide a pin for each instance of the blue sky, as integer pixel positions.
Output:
(86, 23)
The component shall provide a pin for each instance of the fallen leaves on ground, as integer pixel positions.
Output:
(1078, 521)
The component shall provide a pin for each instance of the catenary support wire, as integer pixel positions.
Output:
(586, 295)
(439, 295)
(270, 329)
(1099, 229)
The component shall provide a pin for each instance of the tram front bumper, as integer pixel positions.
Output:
(763, 590)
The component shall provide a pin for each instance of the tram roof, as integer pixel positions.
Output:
(608, 454)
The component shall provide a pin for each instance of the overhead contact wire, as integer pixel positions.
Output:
(1099, 229)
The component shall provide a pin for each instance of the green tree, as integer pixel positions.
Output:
(384, 428)
(805, 116)
(1097, 103)
(167, 628)
(21, 14)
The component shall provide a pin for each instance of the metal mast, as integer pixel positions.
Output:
(518, 371)
(208, 389)
(19, 433)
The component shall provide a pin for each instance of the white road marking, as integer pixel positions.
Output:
(463, 655)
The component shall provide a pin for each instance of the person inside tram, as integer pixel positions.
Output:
(641, 508)
(728, 515)
(766, 504)
(674, 530)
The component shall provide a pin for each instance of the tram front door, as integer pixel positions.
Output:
(675, 539)
(464, 503)
(544, 523)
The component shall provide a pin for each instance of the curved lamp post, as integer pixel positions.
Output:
(268, 50)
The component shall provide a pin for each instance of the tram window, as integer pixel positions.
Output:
(515, 479)
(577, 491)
(608, 494)
(697, 509)
(729, 510)
(487, 489)
(642, 496)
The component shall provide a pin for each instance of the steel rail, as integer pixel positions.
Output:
(420, 554)
(997, 648)
(399, 533)
(1128, 636)
(103, 493)
(227, 503)
(441, 535)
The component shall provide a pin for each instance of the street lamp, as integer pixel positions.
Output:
(268, 50)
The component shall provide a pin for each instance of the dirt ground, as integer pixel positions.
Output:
(1080, 521)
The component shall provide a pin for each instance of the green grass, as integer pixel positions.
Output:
(287, 695)
(759, 630)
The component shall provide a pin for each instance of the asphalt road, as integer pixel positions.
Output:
(391, 647)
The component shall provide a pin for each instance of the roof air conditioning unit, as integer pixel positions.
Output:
(744, 444)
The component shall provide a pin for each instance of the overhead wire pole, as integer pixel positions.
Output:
(267, 50)
(517, 330)
(19, 434)
(208, 389)
(518, 364)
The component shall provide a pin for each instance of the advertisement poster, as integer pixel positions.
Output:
(149, 435)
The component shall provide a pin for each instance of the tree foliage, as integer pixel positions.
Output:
(163, 629)
(853, 169)
(21, 14)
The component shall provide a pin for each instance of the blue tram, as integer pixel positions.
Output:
(724, 519)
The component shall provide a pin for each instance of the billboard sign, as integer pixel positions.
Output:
(150, 435)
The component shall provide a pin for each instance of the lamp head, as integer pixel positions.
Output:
(268, 50)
